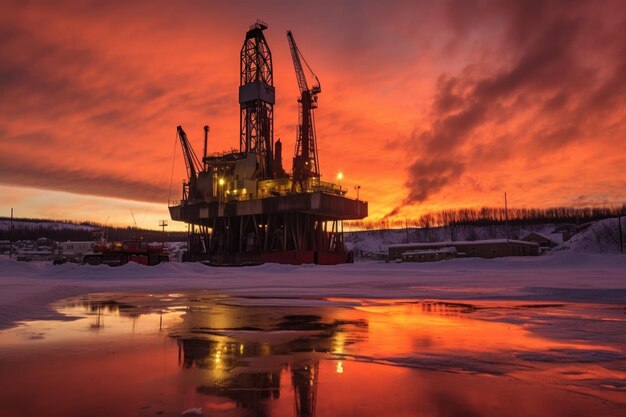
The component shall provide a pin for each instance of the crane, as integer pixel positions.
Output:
(305, 161)
(192, 164)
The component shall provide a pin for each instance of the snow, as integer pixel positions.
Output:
(600, 237)
(27, 289)
(192, 412)
(587, 268)
(378, 241)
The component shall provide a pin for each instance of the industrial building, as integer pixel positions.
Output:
(494, 248)
(242, 206)
(429, 255)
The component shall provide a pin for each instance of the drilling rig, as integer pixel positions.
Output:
(241, 207)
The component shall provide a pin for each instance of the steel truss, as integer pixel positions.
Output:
(239, 238)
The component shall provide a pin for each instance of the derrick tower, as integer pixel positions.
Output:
(256, 99)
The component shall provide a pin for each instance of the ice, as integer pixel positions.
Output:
(192, 412)
(27, 289)
(585, 269)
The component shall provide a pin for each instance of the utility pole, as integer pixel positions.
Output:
(11, 236)
(621, 240)
(163, 224)
(506, 217)
(406, 227)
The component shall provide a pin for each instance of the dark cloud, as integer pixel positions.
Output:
(81, 181)
(433, 174)
(543, 75)
(448, 97)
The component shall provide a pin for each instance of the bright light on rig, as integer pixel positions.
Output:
(221, 181)
(340, 176)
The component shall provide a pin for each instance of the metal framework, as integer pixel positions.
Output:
(242, 207)
(192, 165)
(256, 99)
(304, 381)
(307, 238)
(305, 161)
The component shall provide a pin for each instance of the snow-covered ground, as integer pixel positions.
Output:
(371, 242)
(598, 237)
(588, 268)
(27, 289)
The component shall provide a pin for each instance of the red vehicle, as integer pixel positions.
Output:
(120, 253)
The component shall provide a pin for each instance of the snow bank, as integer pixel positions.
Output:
(601, 237)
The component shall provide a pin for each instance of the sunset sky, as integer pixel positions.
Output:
(425, 104)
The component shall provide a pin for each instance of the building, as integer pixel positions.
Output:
(488, 249)
(429, 255)
(74, 251)
(35, 255)
(567, 230)
(545, 241)
(5, 246)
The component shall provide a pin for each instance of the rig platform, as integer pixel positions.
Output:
(242, 207)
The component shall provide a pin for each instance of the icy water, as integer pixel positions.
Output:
(211, 355)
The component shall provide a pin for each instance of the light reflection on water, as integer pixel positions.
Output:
(160, 354)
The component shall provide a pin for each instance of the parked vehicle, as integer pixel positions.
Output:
(120, 253)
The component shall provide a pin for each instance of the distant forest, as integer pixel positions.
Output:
(80, 231)
(84, 231)
(494, 216)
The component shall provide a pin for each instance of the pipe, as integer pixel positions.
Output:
(206, 142)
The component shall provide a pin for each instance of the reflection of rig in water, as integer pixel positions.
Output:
(249, 371)
(250, 389)
(442, 308)
(243, 207)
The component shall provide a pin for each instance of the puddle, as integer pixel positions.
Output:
(163, 354)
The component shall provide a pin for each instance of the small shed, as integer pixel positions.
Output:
(543, 240)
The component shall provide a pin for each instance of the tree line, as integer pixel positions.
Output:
(493, 216)
(45, 229)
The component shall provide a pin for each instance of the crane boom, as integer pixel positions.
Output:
(305, 163)
(297, 63)
(192, 163)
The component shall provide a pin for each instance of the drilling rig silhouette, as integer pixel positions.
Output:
(242, 207)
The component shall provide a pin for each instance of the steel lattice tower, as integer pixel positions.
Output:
(256, 99)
